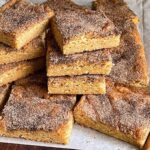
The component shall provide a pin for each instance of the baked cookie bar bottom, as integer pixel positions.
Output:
(61, 135)
(34, 49)
(121, 113)
(84, 84)
(15, 71)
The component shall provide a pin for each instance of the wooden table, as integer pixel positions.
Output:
(4, 146)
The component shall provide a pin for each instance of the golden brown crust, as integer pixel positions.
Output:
(78, 29)
(129, 58)
(61, 135)
(20, 15)
(33, 114)
(96, 62)
(122, 111)
(36, 85)
(117, 11)
(72, 20)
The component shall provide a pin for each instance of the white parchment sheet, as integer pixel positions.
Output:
(87, 139)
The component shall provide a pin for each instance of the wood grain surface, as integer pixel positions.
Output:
(4, 146)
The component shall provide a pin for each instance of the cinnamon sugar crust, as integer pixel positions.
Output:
(73, 20)
(124, 112)
(78, 29)
(36, 86)
(117, 11)
(20, 15)
(33, 114)
(56, 56)
(68, 101)
(95, 62)
(130, 66)
(129, 58)
(19, 19)
(30, 107)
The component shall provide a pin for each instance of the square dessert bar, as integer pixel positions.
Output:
(34, 49)
(122, 113)
(36, 117)
(84, 84)
(77, 29)
(117, 11)
(14, 71)
(22, 21)
(129, 58)
(4, 91)
(95, 62)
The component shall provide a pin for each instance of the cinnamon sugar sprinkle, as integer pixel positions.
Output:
(30, 107)
(73, 20)
(20, 16)
(34, 114)
(124, 110)
(56, 57)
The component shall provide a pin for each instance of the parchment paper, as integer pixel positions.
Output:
(84, 138)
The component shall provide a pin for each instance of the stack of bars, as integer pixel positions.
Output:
(95, 53)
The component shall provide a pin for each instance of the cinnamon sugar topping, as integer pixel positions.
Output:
(34, 114)
(56, 57)
(73, 20)
(21, 15)
(130, 65)
(31, 108)
(121, 108)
